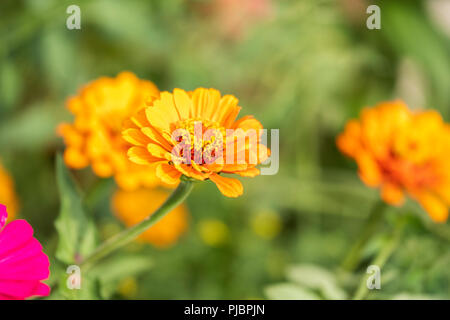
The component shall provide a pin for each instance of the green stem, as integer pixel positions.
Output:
(128, 235)
(381, 259)
(353, 257)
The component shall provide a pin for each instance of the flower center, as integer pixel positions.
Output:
(201, 141)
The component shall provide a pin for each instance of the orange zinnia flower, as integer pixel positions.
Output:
(7, 193)
(131, 207)
(95, 136)
(196, 134)
(401, 151)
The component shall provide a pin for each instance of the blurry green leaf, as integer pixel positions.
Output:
(59, 58)
(113, 270)
(317, 278)
(132, 24)
(411, 296)
(77, 234)
(289, 291)
(31, 129)
(89, 289)
(406, 27)
(10, 85)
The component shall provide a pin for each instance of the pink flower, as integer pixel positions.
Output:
(23, 265)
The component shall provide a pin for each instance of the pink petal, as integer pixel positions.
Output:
(6, 297)
(23, 264)
(42, 290)
(3, 216)
(17, 289)
(35, 268)
(28, 250)
(14, 235)
(20, 290)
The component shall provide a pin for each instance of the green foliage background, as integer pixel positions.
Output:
(306, 70)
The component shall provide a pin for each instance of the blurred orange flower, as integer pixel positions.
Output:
(7, 193)
(131, 207)
(95, 136)
(196, 134)
(400, 151)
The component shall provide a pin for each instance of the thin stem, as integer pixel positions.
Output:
(128, 235)
(382, 257)
(353, 257)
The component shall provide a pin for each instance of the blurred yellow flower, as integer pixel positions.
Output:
(213, 232)
(7, 193)
(196, 134)
(400, 151)
(131, 207)
(94, 138)
(266, 224)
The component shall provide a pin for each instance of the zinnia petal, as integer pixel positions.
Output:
(229, 187)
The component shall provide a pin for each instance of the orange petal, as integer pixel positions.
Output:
(183, 103)
(212, 109)
(392, 194)
(349, 142)
(206, 103)
(140, 119)
(157, 118)
(191, 172)
(248, 123)
(200, 100)
(234, 167)
(135, 137)
(140, 155)
(229, 187)
(167, 107)
(263, 153)
(229, 120)
(368, 169)
(250, 172)
(167, 173)
(74, 158)
(434, 206)
(156, 137)
(102, 169)
(157, 151)
(227, 106)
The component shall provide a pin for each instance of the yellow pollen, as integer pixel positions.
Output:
(205, 136)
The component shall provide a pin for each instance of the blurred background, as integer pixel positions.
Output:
(302, 66)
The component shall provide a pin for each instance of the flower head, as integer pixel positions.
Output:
(196, 134)
(23, 265)
(95, 136)
(7, 193)
(131, 207)
(402, 151)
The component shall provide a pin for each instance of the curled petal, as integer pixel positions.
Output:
(229, 187)
(167, 173)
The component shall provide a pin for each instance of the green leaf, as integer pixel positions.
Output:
(316, 278)
(32, 129)
(90, 288)
(77, 234)
(113, 270)
(289, 291)
(10, 84)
